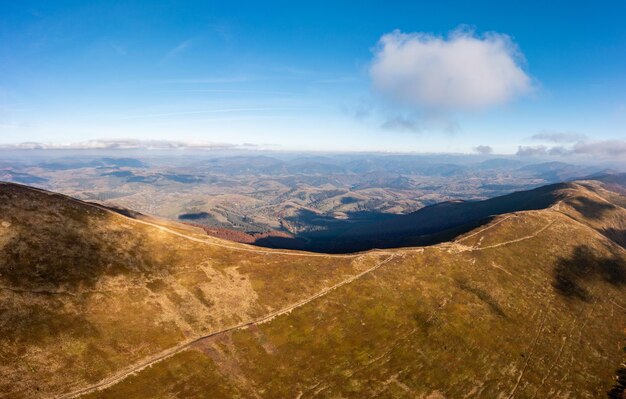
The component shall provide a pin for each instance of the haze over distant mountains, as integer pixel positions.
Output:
(282, 199)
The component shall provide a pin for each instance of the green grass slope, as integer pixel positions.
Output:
(97, 305)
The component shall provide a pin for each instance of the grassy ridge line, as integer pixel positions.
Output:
(528, 237)
(243, 247)
(483, 229)
(210, 240)
(121, 375)
(247, 248)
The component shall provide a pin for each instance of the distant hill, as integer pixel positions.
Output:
(262, 191)
(614, 181)
(558, 171)
(411, 229)
(21, 177)
(72, 163)
(530, 304)
(435, 223)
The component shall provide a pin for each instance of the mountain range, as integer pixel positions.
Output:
(518, 296)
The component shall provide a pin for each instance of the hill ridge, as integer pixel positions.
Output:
(174, 277)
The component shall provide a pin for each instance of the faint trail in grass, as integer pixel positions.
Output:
(535, 234)
(128, 371)
(484, 229)
(530, 354)
(558, 356)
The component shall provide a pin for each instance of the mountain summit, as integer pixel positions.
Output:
(96, 304)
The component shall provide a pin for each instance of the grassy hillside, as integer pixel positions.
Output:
(95, 304)
(85, 291)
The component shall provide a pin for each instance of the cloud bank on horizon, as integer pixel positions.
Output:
(600, 148)
(133, 144)
(567, 144)
(558, 137)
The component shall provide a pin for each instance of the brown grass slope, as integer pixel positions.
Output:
(85, 292)
(95, 304)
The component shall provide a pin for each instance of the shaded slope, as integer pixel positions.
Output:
(442, 222)
(590, 202)
(427, 226)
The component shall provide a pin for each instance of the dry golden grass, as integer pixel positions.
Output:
(532, 306)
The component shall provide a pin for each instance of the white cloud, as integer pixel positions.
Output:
(483, 149)
(410, 122)
(123, 144)
(605, 148)
(402, 123)
(528, 151)
(610, 149)
(558, 137)
(459, 72)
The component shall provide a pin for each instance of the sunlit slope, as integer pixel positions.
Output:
(540, 316)
(532, 305)
(591, 203)
(84, 292)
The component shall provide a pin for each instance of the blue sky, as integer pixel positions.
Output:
(316, 75)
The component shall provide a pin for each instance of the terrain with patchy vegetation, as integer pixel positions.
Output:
(281, 199)
(530, 303)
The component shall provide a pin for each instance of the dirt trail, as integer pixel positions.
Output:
(128, 371)
(484, 229)
(528, 237)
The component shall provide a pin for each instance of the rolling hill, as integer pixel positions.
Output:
(432, 224)
(429, 225)
(530, 304)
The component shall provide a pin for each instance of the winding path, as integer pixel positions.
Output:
(147, 362)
